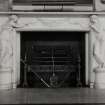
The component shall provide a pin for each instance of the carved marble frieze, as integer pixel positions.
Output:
(55, 23)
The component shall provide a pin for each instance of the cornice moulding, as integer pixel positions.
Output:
(52, 13)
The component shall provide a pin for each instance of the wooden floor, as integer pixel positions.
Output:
(51, 96)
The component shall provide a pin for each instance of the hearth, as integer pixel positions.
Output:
(52, 59)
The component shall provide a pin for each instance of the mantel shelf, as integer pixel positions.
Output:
(52, 13)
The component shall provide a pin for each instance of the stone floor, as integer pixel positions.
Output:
(51, 96)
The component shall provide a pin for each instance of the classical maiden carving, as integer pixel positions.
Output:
(6, 42)
(99, 41)
(7, 36)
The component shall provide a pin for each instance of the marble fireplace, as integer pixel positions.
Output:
(13, 25)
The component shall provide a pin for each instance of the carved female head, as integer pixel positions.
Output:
(94, 19)
(13, 18)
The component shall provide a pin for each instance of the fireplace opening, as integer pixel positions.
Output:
(52, 59)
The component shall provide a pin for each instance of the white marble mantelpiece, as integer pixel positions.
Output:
(49, 22)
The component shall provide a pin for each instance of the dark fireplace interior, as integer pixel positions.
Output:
(52, 59)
